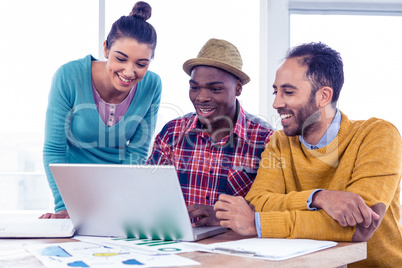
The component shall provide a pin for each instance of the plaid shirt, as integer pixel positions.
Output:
(206, 168)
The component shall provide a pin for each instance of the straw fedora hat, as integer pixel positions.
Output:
(220, 54)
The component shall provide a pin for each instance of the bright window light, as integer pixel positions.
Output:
(371, 50)
(36, 38)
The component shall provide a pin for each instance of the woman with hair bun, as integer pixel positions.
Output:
(104, 112)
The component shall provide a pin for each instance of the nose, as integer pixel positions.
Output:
(203, 95)
(278, 101)
(129, 71)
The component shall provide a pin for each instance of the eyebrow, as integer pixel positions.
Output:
(208, 84)
(287, 85)
(123, 54)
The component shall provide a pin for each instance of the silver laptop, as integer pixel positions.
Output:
(127, 201)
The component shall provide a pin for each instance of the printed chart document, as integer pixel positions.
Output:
(143, 246)
(270, 248)
(36, 228)
(83, 254)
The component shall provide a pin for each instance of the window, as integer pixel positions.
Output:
(371, 53)
(37, 37)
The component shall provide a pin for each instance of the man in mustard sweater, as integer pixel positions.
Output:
(323, 176)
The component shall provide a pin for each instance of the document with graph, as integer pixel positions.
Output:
(84, 254)
(142, 246)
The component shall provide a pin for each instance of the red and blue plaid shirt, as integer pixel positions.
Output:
(206, 168)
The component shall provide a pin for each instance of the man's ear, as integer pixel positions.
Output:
(238, 88)
(324, 96)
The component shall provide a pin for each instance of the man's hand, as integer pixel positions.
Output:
(62, 214)
(206, 215)
(349, 209)
(235, 213)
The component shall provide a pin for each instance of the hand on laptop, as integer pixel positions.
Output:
(62, 214)
(206, 215)
(236, 213)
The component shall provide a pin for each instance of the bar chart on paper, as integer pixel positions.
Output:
(159, 245)
(144, 246)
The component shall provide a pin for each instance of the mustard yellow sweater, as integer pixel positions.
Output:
(365, 158)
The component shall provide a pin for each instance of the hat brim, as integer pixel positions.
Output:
(190, 64)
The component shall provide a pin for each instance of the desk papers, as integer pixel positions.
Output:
(269, 248)
(84, 254)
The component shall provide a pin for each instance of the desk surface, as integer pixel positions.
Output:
(13, 255)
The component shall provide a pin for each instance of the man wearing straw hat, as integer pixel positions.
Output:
(216, 149)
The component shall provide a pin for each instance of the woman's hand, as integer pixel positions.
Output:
(62, 214)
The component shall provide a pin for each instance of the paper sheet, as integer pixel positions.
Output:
(84, 254)
(269, 248)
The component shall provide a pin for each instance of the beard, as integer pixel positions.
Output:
(306, 119)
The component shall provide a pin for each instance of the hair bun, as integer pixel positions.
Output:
(141, 10)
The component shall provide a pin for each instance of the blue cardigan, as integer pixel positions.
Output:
(75, 133)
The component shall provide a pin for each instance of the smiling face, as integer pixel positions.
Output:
(213, 93)
(128, 61)
(294, 100)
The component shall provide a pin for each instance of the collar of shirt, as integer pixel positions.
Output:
(329, 135)
(239, 127)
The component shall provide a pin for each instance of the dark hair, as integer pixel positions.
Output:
(134, 26)
(324, 66)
